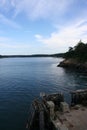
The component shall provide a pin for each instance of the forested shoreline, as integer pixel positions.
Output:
(76, 57)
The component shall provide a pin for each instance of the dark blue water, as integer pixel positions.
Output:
(22, 80)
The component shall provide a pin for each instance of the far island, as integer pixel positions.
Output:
(76, 57)
(33, 55)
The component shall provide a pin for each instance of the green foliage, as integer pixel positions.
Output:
(79, 52)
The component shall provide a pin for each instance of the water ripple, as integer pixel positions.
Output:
(22, 80)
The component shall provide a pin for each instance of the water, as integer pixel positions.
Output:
(22, 80)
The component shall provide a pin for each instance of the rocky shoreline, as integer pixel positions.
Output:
(73, 64)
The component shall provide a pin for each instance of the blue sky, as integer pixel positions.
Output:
(41, 26)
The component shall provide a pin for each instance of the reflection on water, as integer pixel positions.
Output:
(22, 80)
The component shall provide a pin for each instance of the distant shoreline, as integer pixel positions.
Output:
(33, 55)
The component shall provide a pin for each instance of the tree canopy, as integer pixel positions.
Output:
(78, 52)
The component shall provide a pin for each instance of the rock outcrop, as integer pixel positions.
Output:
(74, 64)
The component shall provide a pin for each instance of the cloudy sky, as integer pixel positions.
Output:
(41, 26)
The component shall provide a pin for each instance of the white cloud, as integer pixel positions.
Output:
(66, 36)
(40, 9)
(9, 43)
(39, 37)
(7, 21)
(36, 8)
(4, 39)
(6, 5)
(14, 46)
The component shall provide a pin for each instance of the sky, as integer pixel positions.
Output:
(41, 26)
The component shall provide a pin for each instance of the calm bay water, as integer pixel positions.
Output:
(22, 80)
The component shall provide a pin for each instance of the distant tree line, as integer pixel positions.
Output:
(78, 52)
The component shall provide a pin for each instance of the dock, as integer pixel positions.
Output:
(75, 119)
(54, 113)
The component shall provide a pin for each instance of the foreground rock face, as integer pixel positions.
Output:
(74, 64)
